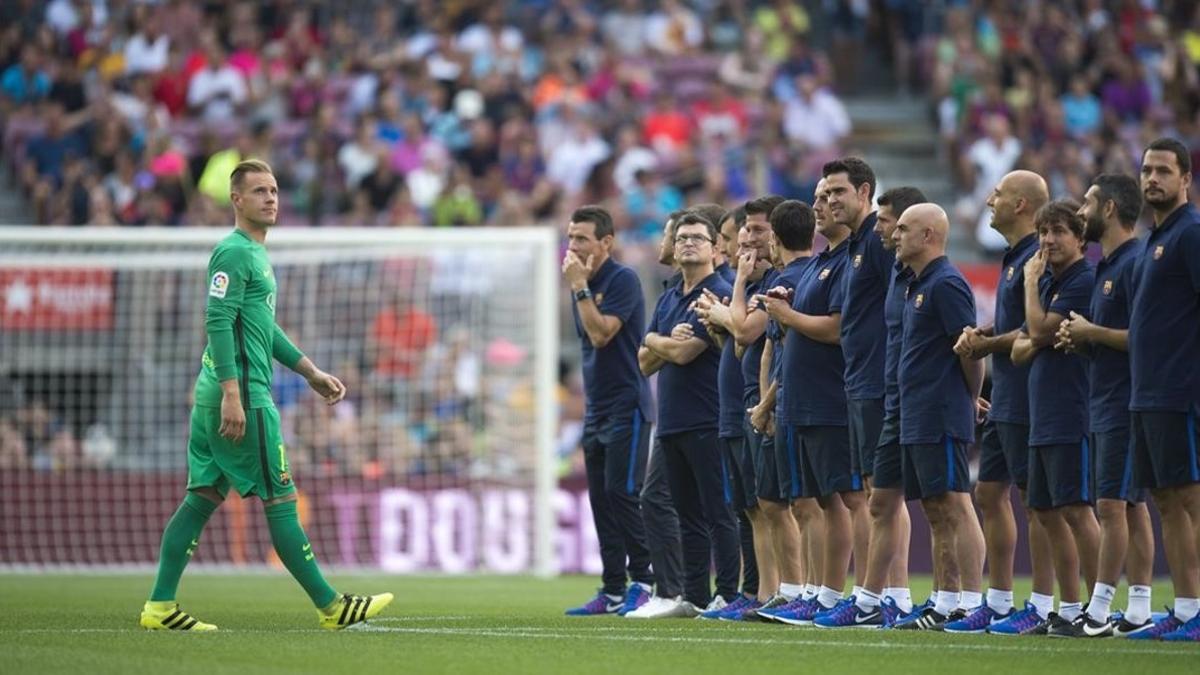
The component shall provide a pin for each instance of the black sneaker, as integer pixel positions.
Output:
(1056, 626)
(1124, 628)
(1083, 626)
(930, 619)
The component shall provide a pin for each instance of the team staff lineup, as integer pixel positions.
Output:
(804, 396)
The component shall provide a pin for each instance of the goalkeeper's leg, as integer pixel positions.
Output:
(336, 611)
(179, 541)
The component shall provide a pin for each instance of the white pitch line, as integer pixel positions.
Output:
(540, 632)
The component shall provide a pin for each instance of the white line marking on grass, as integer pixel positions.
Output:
(546, 633)
(408, 619)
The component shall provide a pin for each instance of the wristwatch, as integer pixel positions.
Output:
(583, 294)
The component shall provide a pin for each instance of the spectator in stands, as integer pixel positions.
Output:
(26, 81)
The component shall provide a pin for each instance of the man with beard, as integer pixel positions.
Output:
(1164, 338)
(1110, 211)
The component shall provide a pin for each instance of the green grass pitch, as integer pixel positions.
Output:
(88, 624)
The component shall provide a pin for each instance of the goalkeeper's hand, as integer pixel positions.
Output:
(327, 386)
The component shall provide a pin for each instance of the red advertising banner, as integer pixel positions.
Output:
(983, 279)
(36, 299)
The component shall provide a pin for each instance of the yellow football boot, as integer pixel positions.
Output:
(351, 609)
(168, 616)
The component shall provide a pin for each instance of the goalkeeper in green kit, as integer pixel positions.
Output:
(235, 440)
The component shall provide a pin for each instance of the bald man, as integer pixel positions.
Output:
(1004, 455)
(938, 394)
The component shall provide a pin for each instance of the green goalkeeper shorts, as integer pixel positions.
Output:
(255, 465)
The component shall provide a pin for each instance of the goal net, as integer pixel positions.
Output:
(440, 459)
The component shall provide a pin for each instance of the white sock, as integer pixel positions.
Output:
(1186, 609)
(791, 591)
(614, 598)
(901, 596)
(866, 600)
(947, 601)
(645, 587)
(856, 590)
(969, 600)
(1070, 610)
(828, 597)
(1101, 603)
(1000, 602)
(810, 591)
(1043, 603)
(1138, 611)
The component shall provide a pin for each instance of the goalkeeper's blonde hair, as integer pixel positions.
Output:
(247, 166)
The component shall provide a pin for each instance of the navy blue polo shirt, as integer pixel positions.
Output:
(788, 277)
(1010, 383)
(612, 382)
(1164, 327)
(864, 335)
(934, 399)
(752, 354)
(813, 371)
(688, 399)
(727, 273)
(1109, 368)
(893, 318)
(732, 390)
(1058, 386)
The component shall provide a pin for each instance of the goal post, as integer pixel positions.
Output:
(442, 458)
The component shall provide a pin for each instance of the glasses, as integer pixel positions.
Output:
(692, 238)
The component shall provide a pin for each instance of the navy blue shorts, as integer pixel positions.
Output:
(889, 468)
(789, 471)
(1113, 471)
(933, 469)
(825, 464)
(1004, 454)
(739, 470)
(766, 475)
(1164, 449)
(866, 422)
(1060, 475)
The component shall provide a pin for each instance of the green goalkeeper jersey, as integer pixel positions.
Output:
(240, 322)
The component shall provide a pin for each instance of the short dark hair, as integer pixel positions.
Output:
(673, 221)
(763, 206)
(713, 213)
(1063, 211)
(1124, 191)
(793, 223)
(900, 198)
(738, 214)
(598, 216)
(1182, 156)
(694, 218)
(855, 168)
(247, 166)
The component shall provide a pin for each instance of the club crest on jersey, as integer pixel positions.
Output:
(1158, 251)
(920, 300)
(598, 298)
(1054, 298)
(285, 478)
(1108, 286)
(1009, 275)
(824, 274)
(220, 284)
(858, 261)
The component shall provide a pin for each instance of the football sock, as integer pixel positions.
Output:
(294, 549)
(179, 541)
(1186, 609)
(1044, 604)
(969, 600)
(866, 600)
(1070, 610)
(828, 597)
(901, 596)
(1001, 602)
(947, 601)
(1101, 603)
(810, 591)
(1138, 611)
(791, 591)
